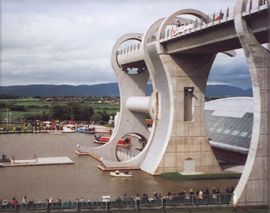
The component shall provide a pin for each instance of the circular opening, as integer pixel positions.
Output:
(229, 111)
(129, 146)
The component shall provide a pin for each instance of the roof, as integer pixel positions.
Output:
(229, 123)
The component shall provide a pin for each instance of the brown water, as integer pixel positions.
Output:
(81, 179)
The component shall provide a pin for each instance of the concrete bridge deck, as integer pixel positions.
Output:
(213, 37)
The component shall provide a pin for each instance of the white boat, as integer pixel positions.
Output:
(69, 128)
(86, 129)
(120, 174)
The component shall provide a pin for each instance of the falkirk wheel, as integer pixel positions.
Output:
(176, 53)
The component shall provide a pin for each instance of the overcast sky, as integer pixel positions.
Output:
(70, 41)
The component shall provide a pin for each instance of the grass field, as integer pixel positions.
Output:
(41, 107)
(176, 176)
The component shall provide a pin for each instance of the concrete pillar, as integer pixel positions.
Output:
(187, 77)
(253, 186)
(180, 129)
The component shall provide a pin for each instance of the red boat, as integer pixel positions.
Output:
(121, 142)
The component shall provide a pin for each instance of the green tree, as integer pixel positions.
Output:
(105, 117)
(101, 117)
(74, 111)
(86, 113)
(59, 112)
(97, 117)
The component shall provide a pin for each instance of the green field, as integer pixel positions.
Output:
(18, 109)
(176, 176)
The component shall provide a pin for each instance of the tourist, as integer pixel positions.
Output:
(200, 195)
(12, 159)
(35, 158)
(220, 16)
(137, 197)
(155, 195)
(59, 201)
(125, 197)
(81, 200)
(214, 193)
(5, 202)
(31, 202)
(50, 200)
(118, 199)
(207, 194)
(24, 201)
(14, 202)
(191, 193)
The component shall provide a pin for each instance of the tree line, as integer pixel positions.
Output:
(71, 111)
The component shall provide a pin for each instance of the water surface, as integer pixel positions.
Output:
(82, 179)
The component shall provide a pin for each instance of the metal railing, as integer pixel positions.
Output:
(134, 203)
(224, 15)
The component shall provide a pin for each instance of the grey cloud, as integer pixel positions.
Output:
(71, 40)
(233, 71)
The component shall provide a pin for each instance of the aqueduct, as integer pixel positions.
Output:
(177, 53)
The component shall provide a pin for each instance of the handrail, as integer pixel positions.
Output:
(224, 15)
(135, 202)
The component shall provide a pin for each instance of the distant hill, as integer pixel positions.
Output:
(61, 90)
(226, 91)
(110, 89)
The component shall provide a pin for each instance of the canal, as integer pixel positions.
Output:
(82, 179)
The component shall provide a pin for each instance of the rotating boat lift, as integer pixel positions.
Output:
(178, 141)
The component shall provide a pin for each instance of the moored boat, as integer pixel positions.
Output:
(121, 174)
(69, 128)
(104, 139)
(86, 129)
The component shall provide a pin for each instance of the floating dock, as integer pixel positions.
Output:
(38, 162)
(103, 168)
(81, 153)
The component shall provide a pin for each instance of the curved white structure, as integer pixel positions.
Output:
(177, 53)
(256, 175)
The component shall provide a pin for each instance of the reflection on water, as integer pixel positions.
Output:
(80, 179)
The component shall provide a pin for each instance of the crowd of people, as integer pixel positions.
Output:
(202, 194)
(188, 195)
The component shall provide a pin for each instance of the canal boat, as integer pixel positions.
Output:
(121, 174)
(125, 142)
(69, 128)
(86, 129)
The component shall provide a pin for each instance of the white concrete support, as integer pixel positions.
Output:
(174, 76)
(178, 141)
(128, 121)
(162, 123)
(138, 104)
(145, 104)
(253, 187)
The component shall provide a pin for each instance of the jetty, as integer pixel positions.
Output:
(38, 162)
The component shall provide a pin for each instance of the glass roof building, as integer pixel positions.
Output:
(229, 127)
